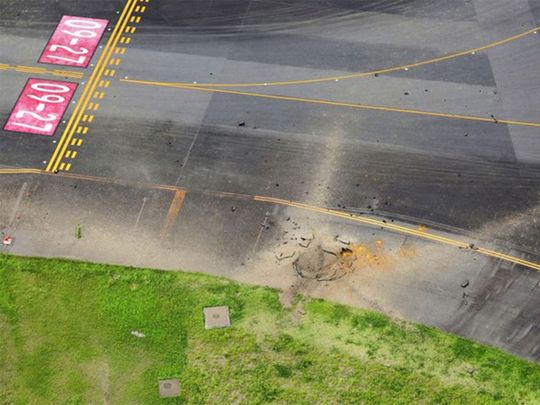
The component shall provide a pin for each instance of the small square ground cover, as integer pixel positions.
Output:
(169, 388)
(216, 317)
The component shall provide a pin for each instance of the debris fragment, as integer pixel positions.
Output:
(138, 334)
(305, 242)
(284, 255)
(242, 123)
(343, 240)
(465, 284)
(7, 240)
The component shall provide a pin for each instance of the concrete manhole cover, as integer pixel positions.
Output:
(169, 388)
(216, 317)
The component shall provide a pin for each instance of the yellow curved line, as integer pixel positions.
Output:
(338, 103)
(401, 229)
(326, 211)
(372, 72)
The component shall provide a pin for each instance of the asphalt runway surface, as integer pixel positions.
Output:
(422, 113)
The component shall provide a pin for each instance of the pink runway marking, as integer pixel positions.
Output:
(74, 41)
(40, 107)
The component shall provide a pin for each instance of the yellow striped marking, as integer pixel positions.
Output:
(68, 167)
(68, 154)
(96, 75)
(339, 103)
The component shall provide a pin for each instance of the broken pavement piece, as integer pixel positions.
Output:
(343, 240)
(285, 255)
(305, 242)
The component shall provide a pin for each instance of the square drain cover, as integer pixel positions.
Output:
(216, 317)
(169, 388)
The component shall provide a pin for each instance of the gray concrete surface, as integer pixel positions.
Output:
(468, 179)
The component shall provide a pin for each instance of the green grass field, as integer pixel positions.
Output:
(65, 339)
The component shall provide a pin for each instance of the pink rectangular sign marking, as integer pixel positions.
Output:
(40, 107)
(74, 41)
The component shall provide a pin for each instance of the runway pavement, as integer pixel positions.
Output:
(417, 113)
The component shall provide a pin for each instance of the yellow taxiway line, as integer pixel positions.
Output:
(180, 193)
(490, 120)
(42, 71)
(454, 55)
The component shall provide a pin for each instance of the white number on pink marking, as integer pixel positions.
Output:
(83, 51)
(89, 24)
(40, 107)
(46, 128)
(78, 61)
(22, 113)
(81, 33)
(48, 98)
(74, 41)
(47, 87)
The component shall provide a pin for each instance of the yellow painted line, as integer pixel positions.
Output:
(20, 171)
(378, 71)
(143, 9)
(117, 61)
(73, 141)
(30, 69)
(338, 103)
(62, 166)
(68, 153)
(79, 142)
(41, 71)
(68, 167)
(419, 231)
(128, 40)
(82, 104)
(79, 130)
(95, 106)
(137, 9)
(172, 214)
(85, 130)
(400, 229)
(135, 19)
(90, 118)
(74, 154)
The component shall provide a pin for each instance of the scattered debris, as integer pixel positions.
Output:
(494, 119)
(233, 208)
(471, 246)
(7, 240)
(169, 388)
(465, 284)
(78, 232)
(471, 371)
(138, 334)
(242, 124)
